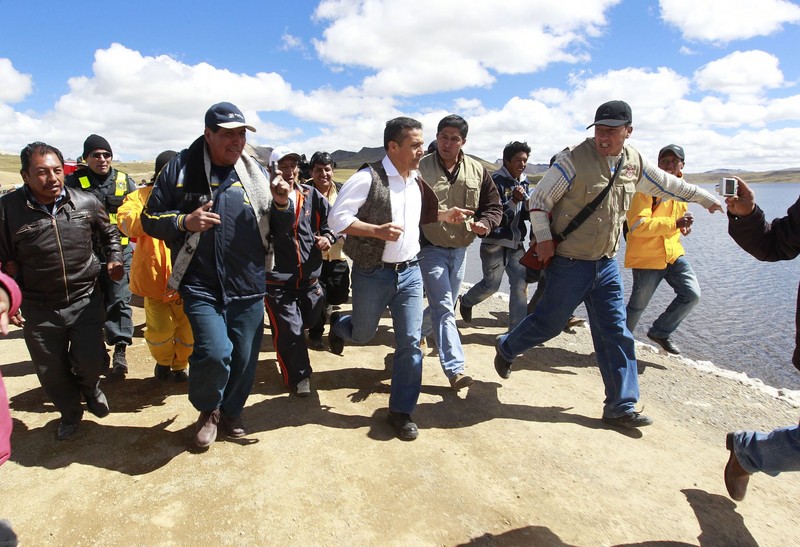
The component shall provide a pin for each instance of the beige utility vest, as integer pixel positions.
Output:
(599, 234)
(465, 192)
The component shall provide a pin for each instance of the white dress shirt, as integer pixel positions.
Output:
(406, 200)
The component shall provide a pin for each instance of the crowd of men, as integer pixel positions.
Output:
(222, 238)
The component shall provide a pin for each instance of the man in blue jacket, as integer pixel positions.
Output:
(211, 204)
(503, 247)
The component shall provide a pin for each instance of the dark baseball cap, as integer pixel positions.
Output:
(675, 149)
(227, 116)
(613, 114)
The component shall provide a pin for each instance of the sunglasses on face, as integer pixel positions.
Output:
(104, 155)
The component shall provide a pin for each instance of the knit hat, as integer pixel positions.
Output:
(162, 160)
(93, 142)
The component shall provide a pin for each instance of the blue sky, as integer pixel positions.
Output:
(719, 77)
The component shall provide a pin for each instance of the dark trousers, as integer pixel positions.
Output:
(290, 311)
(117, 299)
(335, 281)
(67, 350)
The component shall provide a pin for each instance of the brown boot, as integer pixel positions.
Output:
(736, 478)
(206, 428)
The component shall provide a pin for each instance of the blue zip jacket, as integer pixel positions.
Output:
(230, 260)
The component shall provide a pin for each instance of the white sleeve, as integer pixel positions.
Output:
(351, 197)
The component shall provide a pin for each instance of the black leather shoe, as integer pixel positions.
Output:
(97, 403)
(233, 426)
(502, 366)
(336, 342)
(119, 363)
(405, 428)
(315, 342)
(466, 311)
(665, 343)
(65, 431)
(736, 478)
(162, 372)
(631, 420)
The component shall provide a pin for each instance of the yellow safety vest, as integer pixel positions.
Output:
(120, 189)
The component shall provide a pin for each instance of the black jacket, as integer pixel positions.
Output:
(54, 252)
(770, 242)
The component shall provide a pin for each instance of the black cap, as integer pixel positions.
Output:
(613, 114)
(94, 142)
(675, 149)
(227, 116)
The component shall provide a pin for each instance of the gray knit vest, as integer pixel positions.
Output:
(367, 252)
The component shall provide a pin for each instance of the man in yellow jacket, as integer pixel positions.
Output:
(167, 330)
(654, 251)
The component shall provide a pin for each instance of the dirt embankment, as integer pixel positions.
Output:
(524, 461)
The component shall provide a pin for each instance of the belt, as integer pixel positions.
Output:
(400, 266)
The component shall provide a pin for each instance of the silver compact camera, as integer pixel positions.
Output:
(728, 187)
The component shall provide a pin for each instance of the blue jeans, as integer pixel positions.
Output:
(373, 290)
(683, 281)
(772, 452)
(495, 259)
(442, 274)
(598, 284)
(226, 345)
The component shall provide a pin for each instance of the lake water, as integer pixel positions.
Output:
(745, 319)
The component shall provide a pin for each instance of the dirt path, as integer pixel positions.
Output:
(524, 461)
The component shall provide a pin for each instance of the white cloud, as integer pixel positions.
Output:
(727, 20)
(740, 73)
(290, 42)
(418, 47)
(15, 85)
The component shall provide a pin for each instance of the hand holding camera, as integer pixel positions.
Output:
(744, 202)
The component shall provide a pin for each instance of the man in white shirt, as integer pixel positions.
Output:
(380, 209)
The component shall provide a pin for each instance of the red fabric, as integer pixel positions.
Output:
(5, 416)
(5, 424)
(13, 291)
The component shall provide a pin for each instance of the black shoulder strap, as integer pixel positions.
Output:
(588, 209)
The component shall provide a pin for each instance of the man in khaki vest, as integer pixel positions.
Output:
(584, 268)
(458, 181)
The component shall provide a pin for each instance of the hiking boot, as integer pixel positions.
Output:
(180, 376)
(460, 381)
(404, 427)
(665, 343)
(631, 420)
(65, 431)
(119, 365)
(336, 342)
(303, 387)
(466, 311)
(233, 426)
(206, 428)
(97, 403)
(162, 372)
(736, 478)
(502, 366)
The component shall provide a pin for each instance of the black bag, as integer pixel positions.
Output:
(335, 280)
